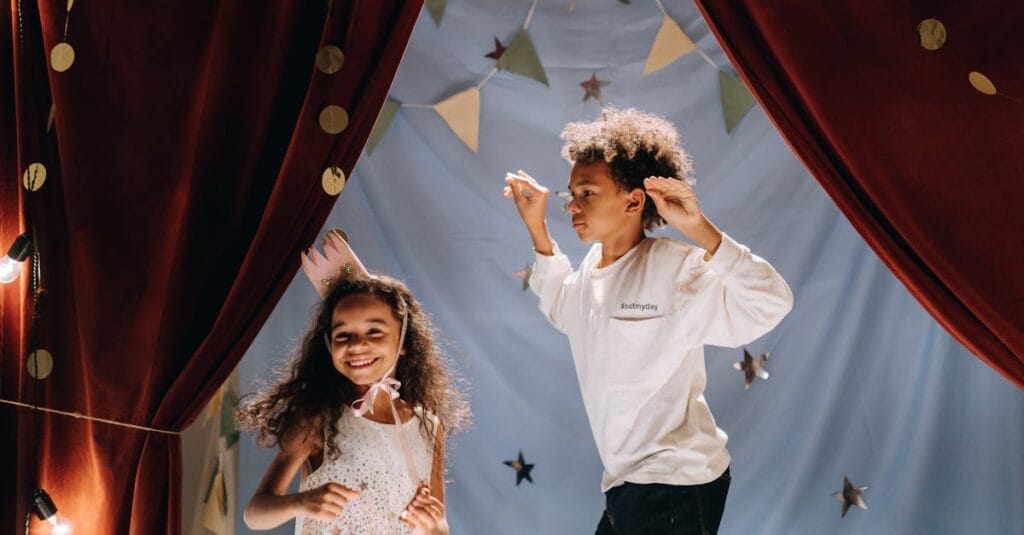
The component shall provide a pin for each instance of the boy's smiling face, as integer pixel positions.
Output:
(601, 209)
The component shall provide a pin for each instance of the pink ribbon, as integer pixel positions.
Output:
(389, 385)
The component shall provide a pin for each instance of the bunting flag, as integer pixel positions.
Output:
(462, 113)
(736, 99)
(387, 114)
(436, 9)
(669, 45)
(215, 505)
(215, 513)
(520, 57)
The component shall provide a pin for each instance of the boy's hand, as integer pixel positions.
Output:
(325, 502)
(426, 514)
(531, 198)
(677, 204)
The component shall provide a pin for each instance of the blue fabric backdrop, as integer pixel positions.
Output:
(863, 382)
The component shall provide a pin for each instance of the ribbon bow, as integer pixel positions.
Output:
(387, 384)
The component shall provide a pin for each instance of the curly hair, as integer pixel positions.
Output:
(635, 145)
(310, 394)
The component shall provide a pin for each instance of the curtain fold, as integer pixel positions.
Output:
(184, 178)
(926, 168)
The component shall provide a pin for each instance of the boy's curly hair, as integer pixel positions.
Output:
(310, 394)
(636, 145)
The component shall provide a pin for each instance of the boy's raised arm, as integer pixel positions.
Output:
(531, 200)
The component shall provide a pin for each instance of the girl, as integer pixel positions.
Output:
(364, 451)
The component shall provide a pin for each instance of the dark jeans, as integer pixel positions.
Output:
(655, 508)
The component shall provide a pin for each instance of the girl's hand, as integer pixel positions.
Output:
(426, 514)
(531, 198)
(326, 502)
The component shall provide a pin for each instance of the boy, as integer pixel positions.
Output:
(638, 313)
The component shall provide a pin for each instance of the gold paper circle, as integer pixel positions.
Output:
(932, 33)
(34, 176)
(71, 3)
(62, 56)
(982, 83)
(40, 364)
(333, 180)
(333, 119)
(330, 59)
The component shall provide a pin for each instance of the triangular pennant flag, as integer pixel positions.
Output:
(387, 113)
(215, 505)
(228, 431)
(436, 9)
(736, 99)
(462, 113)
(669, 45)
(520, 57)
(213, 407)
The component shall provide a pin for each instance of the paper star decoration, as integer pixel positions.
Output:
(752, 367)
(851, 496)
(522, 469)
(524, 275)
(499, 49)
(592, 87)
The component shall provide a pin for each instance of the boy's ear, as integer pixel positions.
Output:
(635, 203)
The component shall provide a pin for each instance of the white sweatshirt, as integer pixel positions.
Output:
(637, 330)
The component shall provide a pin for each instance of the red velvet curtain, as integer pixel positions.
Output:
(929, 170)
(184, 179)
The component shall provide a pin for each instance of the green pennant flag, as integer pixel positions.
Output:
(227, 419)
(436, 9)
(520, 57)
(736, 99)
(387, 113)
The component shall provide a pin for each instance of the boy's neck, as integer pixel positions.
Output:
(614, 247)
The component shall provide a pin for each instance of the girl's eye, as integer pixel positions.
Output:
(340, 337)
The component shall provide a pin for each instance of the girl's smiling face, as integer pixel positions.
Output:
(364, 338)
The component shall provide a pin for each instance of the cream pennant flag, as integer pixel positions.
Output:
(462, 113)
(213, 407)
(669, 45)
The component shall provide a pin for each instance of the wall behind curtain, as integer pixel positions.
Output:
(864, 383)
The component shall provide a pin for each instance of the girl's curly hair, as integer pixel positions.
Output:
(635, 145)
(310, 394)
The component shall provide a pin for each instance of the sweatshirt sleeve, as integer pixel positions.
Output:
(733, 298)
(547, 281)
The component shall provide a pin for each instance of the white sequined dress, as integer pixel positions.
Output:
(371, 462)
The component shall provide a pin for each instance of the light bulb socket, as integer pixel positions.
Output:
(21, 248)
(42, 505)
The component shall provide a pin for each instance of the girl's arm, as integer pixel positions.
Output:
(426, 514)
(270, 506)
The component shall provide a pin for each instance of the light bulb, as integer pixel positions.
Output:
(59, 524)
(10, 265)
(9, 269)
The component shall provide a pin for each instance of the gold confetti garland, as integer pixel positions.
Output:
(932, 35)
(62, 55)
